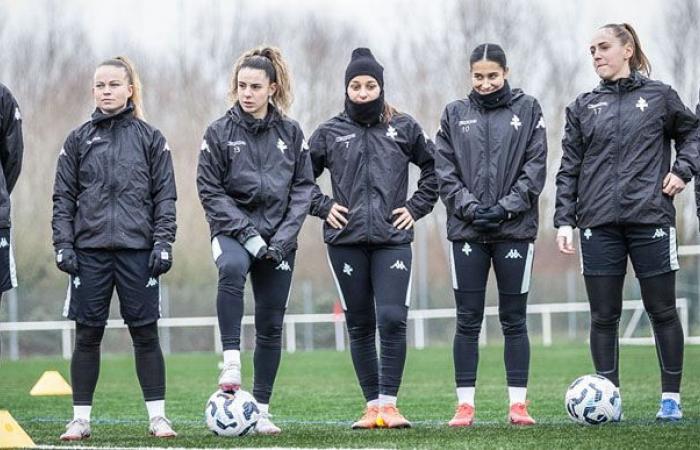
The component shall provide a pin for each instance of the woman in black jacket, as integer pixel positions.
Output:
(114, 225)
(254, 180)
(491, 165)
(368, 226)
(616, 184)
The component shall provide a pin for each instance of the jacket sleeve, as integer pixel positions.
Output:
(11, 142)
(423, 199)
(697, 187)
(455, 195)
(285, 237)
(533, 172)
(682, 126)
(222, 212)
(320, 203)
(163, 191)
(569, 170)
(65, 194)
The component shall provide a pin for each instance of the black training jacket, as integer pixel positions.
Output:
(697, 182)
(254, 178)
(492, 156)
(369, 175)
(11, 150)
(115, 186)
(617, 152)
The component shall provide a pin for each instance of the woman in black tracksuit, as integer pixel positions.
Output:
(254, 180)
(367, 150)
(616, 184)
(113, 226)
(491, 165)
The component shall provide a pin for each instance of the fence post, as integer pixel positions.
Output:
(307, 292)
(13, 313)
(482, 335)
(419, 330)
(66, 343)
(546, 328)
(291, 329)
(218, 348)
(164, 312)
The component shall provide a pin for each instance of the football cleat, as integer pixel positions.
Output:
(230, 377)
(670, 411)
(368, 419)
(76, 430)
(265, 425)
(464, 416)
(518, 414)
(390, 417)
(161, 427)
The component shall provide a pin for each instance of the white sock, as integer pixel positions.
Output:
(232, 356)
(374, 402)
(466, 395)
(387, 399)
(517, 395)
(82, 412)
(155, 408)
(672, 395)
(264, 408)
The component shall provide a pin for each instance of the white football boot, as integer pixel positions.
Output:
(230, 378)
(76, 430)
(161, 427)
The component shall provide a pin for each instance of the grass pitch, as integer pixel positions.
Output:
(317, 398)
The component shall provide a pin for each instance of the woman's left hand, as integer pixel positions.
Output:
(673, 185)
(404, 221)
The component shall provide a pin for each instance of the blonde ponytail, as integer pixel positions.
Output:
(269, 60)
(133, 79)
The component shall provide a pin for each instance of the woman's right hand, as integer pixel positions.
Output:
(565, 240)
(336, 217)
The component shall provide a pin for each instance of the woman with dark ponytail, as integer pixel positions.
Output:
(254, 180)
(616, 183)
(368, 227)
(491, 165)
(114, 226)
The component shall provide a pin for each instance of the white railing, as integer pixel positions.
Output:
(419, 317)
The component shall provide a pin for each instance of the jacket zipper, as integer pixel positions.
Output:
(617, 158)
(369, 184)
(112, 188)
(487, 181)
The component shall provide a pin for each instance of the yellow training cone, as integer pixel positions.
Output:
(11, 434)
(51, 383)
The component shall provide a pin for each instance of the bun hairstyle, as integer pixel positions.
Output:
(626, 35)
(489, 52)
(133, 79)
(269, 60)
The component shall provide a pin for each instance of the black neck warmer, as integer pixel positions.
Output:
(494, 99)
(369, 113)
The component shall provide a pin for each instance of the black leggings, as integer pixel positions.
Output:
(512, 263)
(659, 297)
(271, 288)
(374, 286)
(85, 364)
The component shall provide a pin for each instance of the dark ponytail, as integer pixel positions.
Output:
(489, 52)
(626, 34)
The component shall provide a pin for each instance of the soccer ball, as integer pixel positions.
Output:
(231, 413)
(593, 400)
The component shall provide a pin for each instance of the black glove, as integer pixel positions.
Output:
(495, 213)
(275, 254)
(67, 261)
(161, 259)
(485, 225)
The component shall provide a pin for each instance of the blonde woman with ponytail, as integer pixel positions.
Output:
(617, 181)
(254, 179)
(114, 225)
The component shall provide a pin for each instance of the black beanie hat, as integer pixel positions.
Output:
(362, 62)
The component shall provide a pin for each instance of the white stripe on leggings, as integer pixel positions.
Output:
(337, 283)
(672, 250)
(527, 272)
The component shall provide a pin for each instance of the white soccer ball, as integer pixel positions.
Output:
(231, 413)
(593, 400)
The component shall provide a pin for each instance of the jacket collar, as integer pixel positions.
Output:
(634, 81)
(250, 123)
(120, 118)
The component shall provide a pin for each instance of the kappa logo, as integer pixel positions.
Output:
(284, 265)
(540, 123)
(152, 282)
(399, 265)
(76, 282)
(642, 104)
(167, 147)
(204, 146)
(587, 233)
(236, 145)
(597, 107)
(514, 254)
(62, 152)
(3, 243)
(391, 132)
(659, 233)
(515, 122)
(347, 269)
(464, 124)
(18, 115)
(93, 140)
(467, 249)
(304, 145)
(281, 145)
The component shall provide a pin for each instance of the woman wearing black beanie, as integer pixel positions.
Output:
(490, 160)
(368, 226)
